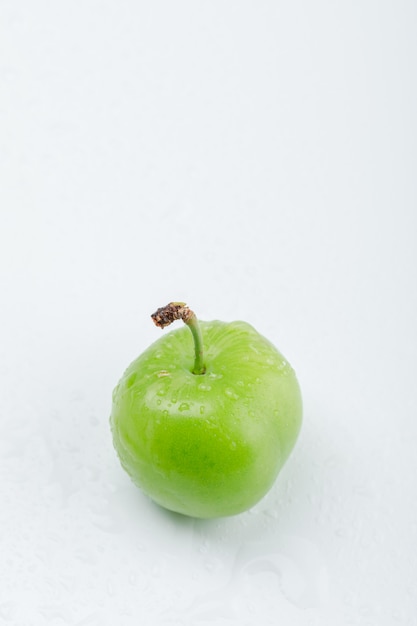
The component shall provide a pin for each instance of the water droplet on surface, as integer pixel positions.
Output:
(8, 610)
(184, 406)
(161, 392)
(204, 387)
(204, 548)
(202, 409)
(54, 612)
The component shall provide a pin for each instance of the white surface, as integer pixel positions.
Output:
(257, 160)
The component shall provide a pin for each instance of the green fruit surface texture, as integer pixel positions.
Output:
(208, 445)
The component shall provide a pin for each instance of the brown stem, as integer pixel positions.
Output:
(164, 316)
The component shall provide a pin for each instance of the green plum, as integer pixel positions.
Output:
(206, 437)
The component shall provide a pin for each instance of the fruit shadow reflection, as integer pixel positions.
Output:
(266, 551)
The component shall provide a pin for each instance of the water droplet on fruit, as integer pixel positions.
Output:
(204, 387)
(174, 399)
(158, 402)
(202, 409)
(230, 393)
(163, 373)
(165, 413)
(184, 406)
(161, 392)
(214, 375)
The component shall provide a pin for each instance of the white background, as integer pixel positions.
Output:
(257, 160)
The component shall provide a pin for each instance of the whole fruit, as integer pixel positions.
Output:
(206, 437)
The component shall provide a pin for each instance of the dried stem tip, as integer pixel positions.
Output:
(165, 315)
(180, 311)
